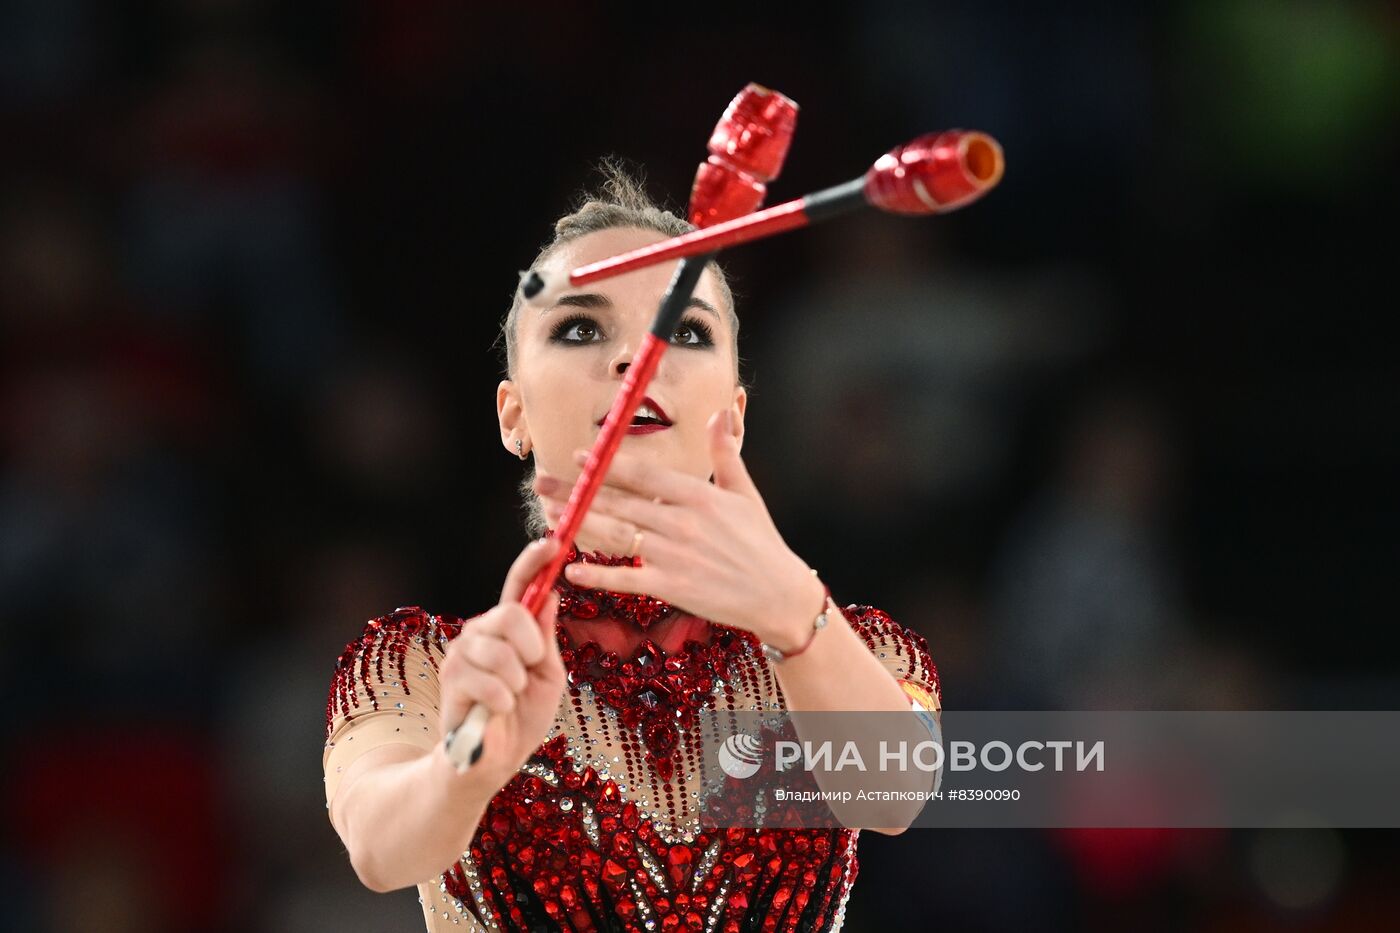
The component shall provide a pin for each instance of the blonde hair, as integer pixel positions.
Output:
(621, 201)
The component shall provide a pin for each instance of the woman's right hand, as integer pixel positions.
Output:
(507, 661)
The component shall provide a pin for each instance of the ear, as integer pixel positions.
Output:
(510, 412)
(741, 403)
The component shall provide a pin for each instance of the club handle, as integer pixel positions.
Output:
(464, 744)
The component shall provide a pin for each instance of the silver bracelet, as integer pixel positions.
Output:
(778, 656)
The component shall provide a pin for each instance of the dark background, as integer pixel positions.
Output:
(1121, 435)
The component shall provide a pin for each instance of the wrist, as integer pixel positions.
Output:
(817, 609)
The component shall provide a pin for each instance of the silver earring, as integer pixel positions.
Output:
(520, 448)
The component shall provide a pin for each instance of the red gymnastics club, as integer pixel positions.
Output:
(934, 174)
(747, 150)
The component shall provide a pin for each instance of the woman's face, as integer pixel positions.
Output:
(572, 358)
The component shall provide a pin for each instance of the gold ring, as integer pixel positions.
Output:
(636, 544)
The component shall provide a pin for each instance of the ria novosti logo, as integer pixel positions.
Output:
(740, 755)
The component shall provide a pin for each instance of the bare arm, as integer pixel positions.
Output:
(403, 811)
(405, 814)
(836, 656)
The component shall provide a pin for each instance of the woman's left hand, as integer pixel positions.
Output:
(711, 549)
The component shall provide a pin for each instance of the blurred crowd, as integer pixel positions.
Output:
(1118, 437)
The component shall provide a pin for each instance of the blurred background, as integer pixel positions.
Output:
(1120, 436)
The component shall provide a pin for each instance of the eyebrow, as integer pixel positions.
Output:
(593, 300)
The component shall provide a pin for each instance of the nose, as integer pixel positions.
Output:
(621, 360)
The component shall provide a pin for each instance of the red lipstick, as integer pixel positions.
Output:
(648, 426)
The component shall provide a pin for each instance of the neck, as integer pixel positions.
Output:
(587, 545)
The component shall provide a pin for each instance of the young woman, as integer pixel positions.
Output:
(680, 596)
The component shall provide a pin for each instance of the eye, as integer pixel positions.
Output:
(581, 324)
(692, 331)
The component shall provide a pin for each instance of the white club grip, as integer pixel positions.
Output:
(464, 743)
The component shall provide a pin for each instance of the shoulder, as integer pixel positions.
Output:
(377, 663)
(405, 627)
(874, 624)
(901, 649)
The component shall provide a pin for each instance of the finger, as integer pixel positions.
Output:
(499, 658)
(649, 479)
(513, 623)
(455, 707)
(530, 562)
(730, 471)
(547, 485)
(554, 487)
(552, 664)
(554, 515)
(643, 513)
(548, 615)
(486, 688)
(613, 535)
(620, 579)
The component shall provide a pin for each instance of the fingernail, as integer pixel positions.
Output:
(580, 456)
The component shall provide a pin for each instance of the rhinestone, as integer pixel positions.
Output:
(581, 745)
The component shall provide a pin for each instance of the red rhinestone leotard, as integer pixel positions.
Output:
(600, 829)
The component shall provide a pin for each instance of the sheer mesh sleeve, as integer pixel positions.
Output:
(385, 688)
(904, 654)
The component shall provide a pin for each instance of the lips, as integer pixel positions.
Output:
(649, 402)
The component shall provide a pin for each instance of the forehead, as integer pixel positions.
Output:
(646, 285)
